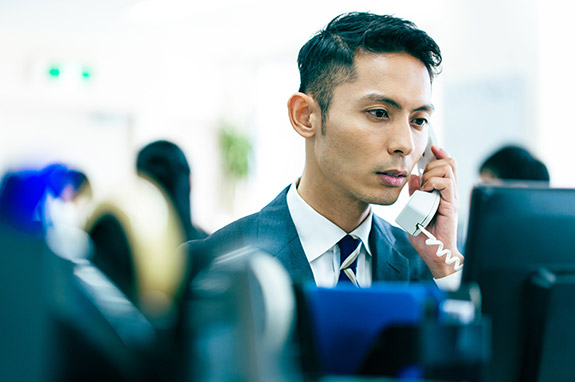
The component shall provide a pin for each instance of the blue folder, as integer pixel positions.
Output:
(345, 321)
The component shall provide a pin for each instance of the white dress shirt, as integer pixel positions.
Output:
(319, 238)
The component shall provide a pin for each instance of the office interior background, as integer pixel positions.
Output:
(90, 83)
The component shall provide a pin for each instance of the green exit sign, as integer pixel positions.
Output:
(54, 71)
(69, 72)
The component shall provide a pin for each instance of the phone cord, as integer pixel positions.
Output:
(440, 251)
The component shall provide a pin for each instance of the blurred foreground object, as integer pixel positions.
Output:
(241, 317)
(135, 235)
(394, 330)
(66, 318)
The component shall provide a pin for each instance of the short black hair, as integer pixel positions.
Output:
(513, 162)
(327, 59)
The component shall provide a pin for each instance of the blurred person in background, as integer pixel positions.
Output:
(136, 230)
(35, 200)
(165, 164)
(513, 163)
(509, 163)
(66, 216)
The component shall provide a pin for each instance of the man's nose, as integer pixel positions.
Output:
(400, 139)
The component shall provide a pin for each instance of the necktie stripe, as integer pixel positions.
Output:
(349, 252)
(349, 273)
(350, 259)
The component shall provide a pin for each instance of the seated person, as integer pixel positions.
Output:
(363, 108)
(513, 163)
(165, 164)
(508, 163)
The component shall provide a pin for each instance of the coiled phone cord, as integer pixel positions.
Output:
(440, 250)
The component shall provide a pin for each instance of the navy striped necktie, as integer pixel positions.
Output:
(349, 251)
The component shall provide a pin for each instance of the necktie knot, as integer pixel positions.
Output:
(349, 251)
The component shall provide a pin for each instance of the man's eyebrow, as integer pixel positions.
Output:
(429, 107)
(383, 99)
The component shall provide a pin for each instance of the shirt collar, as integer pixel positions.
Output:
(316, 233)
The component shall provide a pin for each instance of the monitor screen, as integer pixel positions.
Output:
(521, 251)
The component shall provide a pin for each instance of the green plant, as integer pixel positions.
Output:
(236, 149)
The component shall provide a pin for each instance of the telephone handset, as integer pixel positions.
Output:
(422, 205)
(421, 208)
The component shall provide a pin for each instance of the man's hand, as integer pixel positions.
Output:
(439, 175)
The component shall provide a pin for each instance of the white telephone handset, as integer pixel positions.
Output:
(422, 206)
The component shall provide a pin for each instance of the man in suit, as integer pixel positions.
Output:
(363, 108)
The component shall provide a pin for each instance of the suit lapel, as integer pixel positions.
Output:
(388, 264)
(278, 236)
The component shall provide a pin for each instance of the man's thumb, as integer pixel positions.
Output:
(413, 183)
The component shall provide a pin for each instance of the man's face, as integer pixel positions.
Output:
(376, 129)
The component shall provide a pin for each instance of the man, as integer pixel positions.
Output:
(363, 108)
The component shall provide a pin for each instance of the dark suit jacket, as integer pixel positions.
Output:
(273, 231)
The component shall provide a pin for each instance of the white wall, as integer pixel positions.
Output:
(490, 79)
(555, 131)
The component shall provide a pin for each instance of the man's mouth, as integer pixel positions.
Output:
(397, 175)
(394, 173)
(394, 178)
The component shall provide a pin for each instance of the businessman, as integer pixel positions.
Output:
(363, 108)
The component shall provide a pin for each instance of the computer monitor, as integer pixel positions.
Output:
(521, 251)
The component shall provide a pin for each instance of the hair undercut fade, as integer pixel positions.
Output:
(327, 59)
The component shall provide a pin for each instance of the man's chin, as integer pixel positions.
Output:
(381, 196)
(387, 200)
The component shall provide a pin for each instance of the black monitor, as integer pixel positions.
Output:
(521, 251)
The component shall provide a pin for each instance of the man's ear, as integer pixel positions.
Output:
(304, 114)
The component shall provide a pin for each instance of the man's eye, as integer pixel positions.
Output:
(420, 121)
(378, 113)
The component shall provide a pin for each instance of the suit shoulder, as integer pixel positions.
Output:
(237, 232)
(228, 238)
